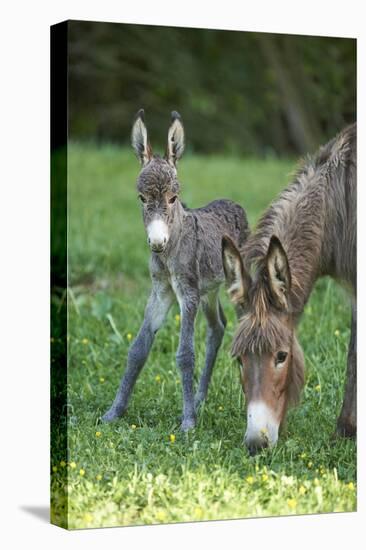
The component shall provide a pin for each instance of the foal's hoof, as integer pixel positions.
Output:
(346, 427)
(112, 414)
(188, 424)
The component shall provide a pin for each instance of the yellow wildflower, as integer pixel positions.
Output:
(198, 512)
(82, 472)
(310, 464)
(303, 455)
(337, 333)
(177, 318)
(316, 481)
(221, 408)
(133, 426)
(350, 486)
(250, 480)
(318, 387)
(72, 465)
(87, 517)
(161, 515)
(54, 469)
(302, 490)
(101, 379)
(62, 464)
(264, 477)
(172, 438)
(85, 341)
(98, 477)
(129, 337)
(157, 378)
(98, 434)
(291, 503)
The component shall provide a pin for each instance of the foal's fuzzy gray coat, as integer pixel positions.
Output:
(187, 267)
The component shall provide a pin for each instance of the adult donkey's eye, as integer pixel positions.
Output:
(142, 199)
(172, 199)
(281, 357)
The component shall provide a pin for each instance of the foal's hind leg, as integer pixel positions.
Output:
(157, 308)
(347, 421)
(215, 331)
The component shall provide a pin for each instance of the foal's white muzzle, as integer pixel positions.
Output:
(262, 427)
(157, 235)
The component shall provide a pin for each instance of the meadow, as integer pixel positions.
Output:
(142, 469)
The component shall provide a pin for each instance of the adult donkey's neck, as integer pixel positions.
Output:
(299, 218)
(315, 220)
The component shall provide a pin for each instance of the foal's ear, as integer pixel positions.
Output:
(279, 275)
(237, 279)
(175, 146)
(139, 139)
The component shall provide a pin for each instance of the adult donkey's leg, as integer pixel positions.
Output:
(347, 421)
(159, 303)
(185, 357)
(215, 331)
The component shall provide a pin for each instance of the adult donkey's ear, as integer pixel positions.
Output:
(139, 139)
(279, 275)
(175, 146)
(238, 279)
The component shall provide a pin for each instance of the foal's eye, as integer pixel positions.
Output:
(142, 199)
(281, 357)
(172, 199)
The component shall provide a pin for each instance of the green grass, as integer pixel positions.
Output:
(142, 470)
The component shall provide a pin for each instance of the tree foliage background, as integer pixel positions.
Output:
(237, 92)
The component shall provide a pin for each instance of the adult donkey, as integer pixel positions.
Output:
(185, 263)
(308, 232)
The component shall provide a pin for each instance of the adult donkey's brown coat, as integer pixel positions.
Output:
(308, 232)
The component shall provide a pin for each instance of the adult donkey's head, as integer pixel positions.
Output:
(271, 360)
(157, 184)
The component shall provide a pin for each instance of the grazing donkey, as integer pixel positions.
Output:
(185, 263)
(308, 232)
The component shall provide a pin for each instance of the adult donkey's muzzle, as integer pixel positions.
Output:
(262, 427)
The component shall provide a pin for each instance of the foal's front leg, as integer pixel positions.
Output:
(157, 308)
(185, 357)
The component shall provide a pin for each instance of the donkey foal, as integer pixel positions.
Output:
(185, 264)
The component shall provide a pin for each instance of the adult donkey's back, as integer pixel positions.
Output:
(308, 232)
(185, 264)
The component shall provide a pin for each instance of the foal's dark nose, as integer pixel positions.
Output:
(157, 247)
